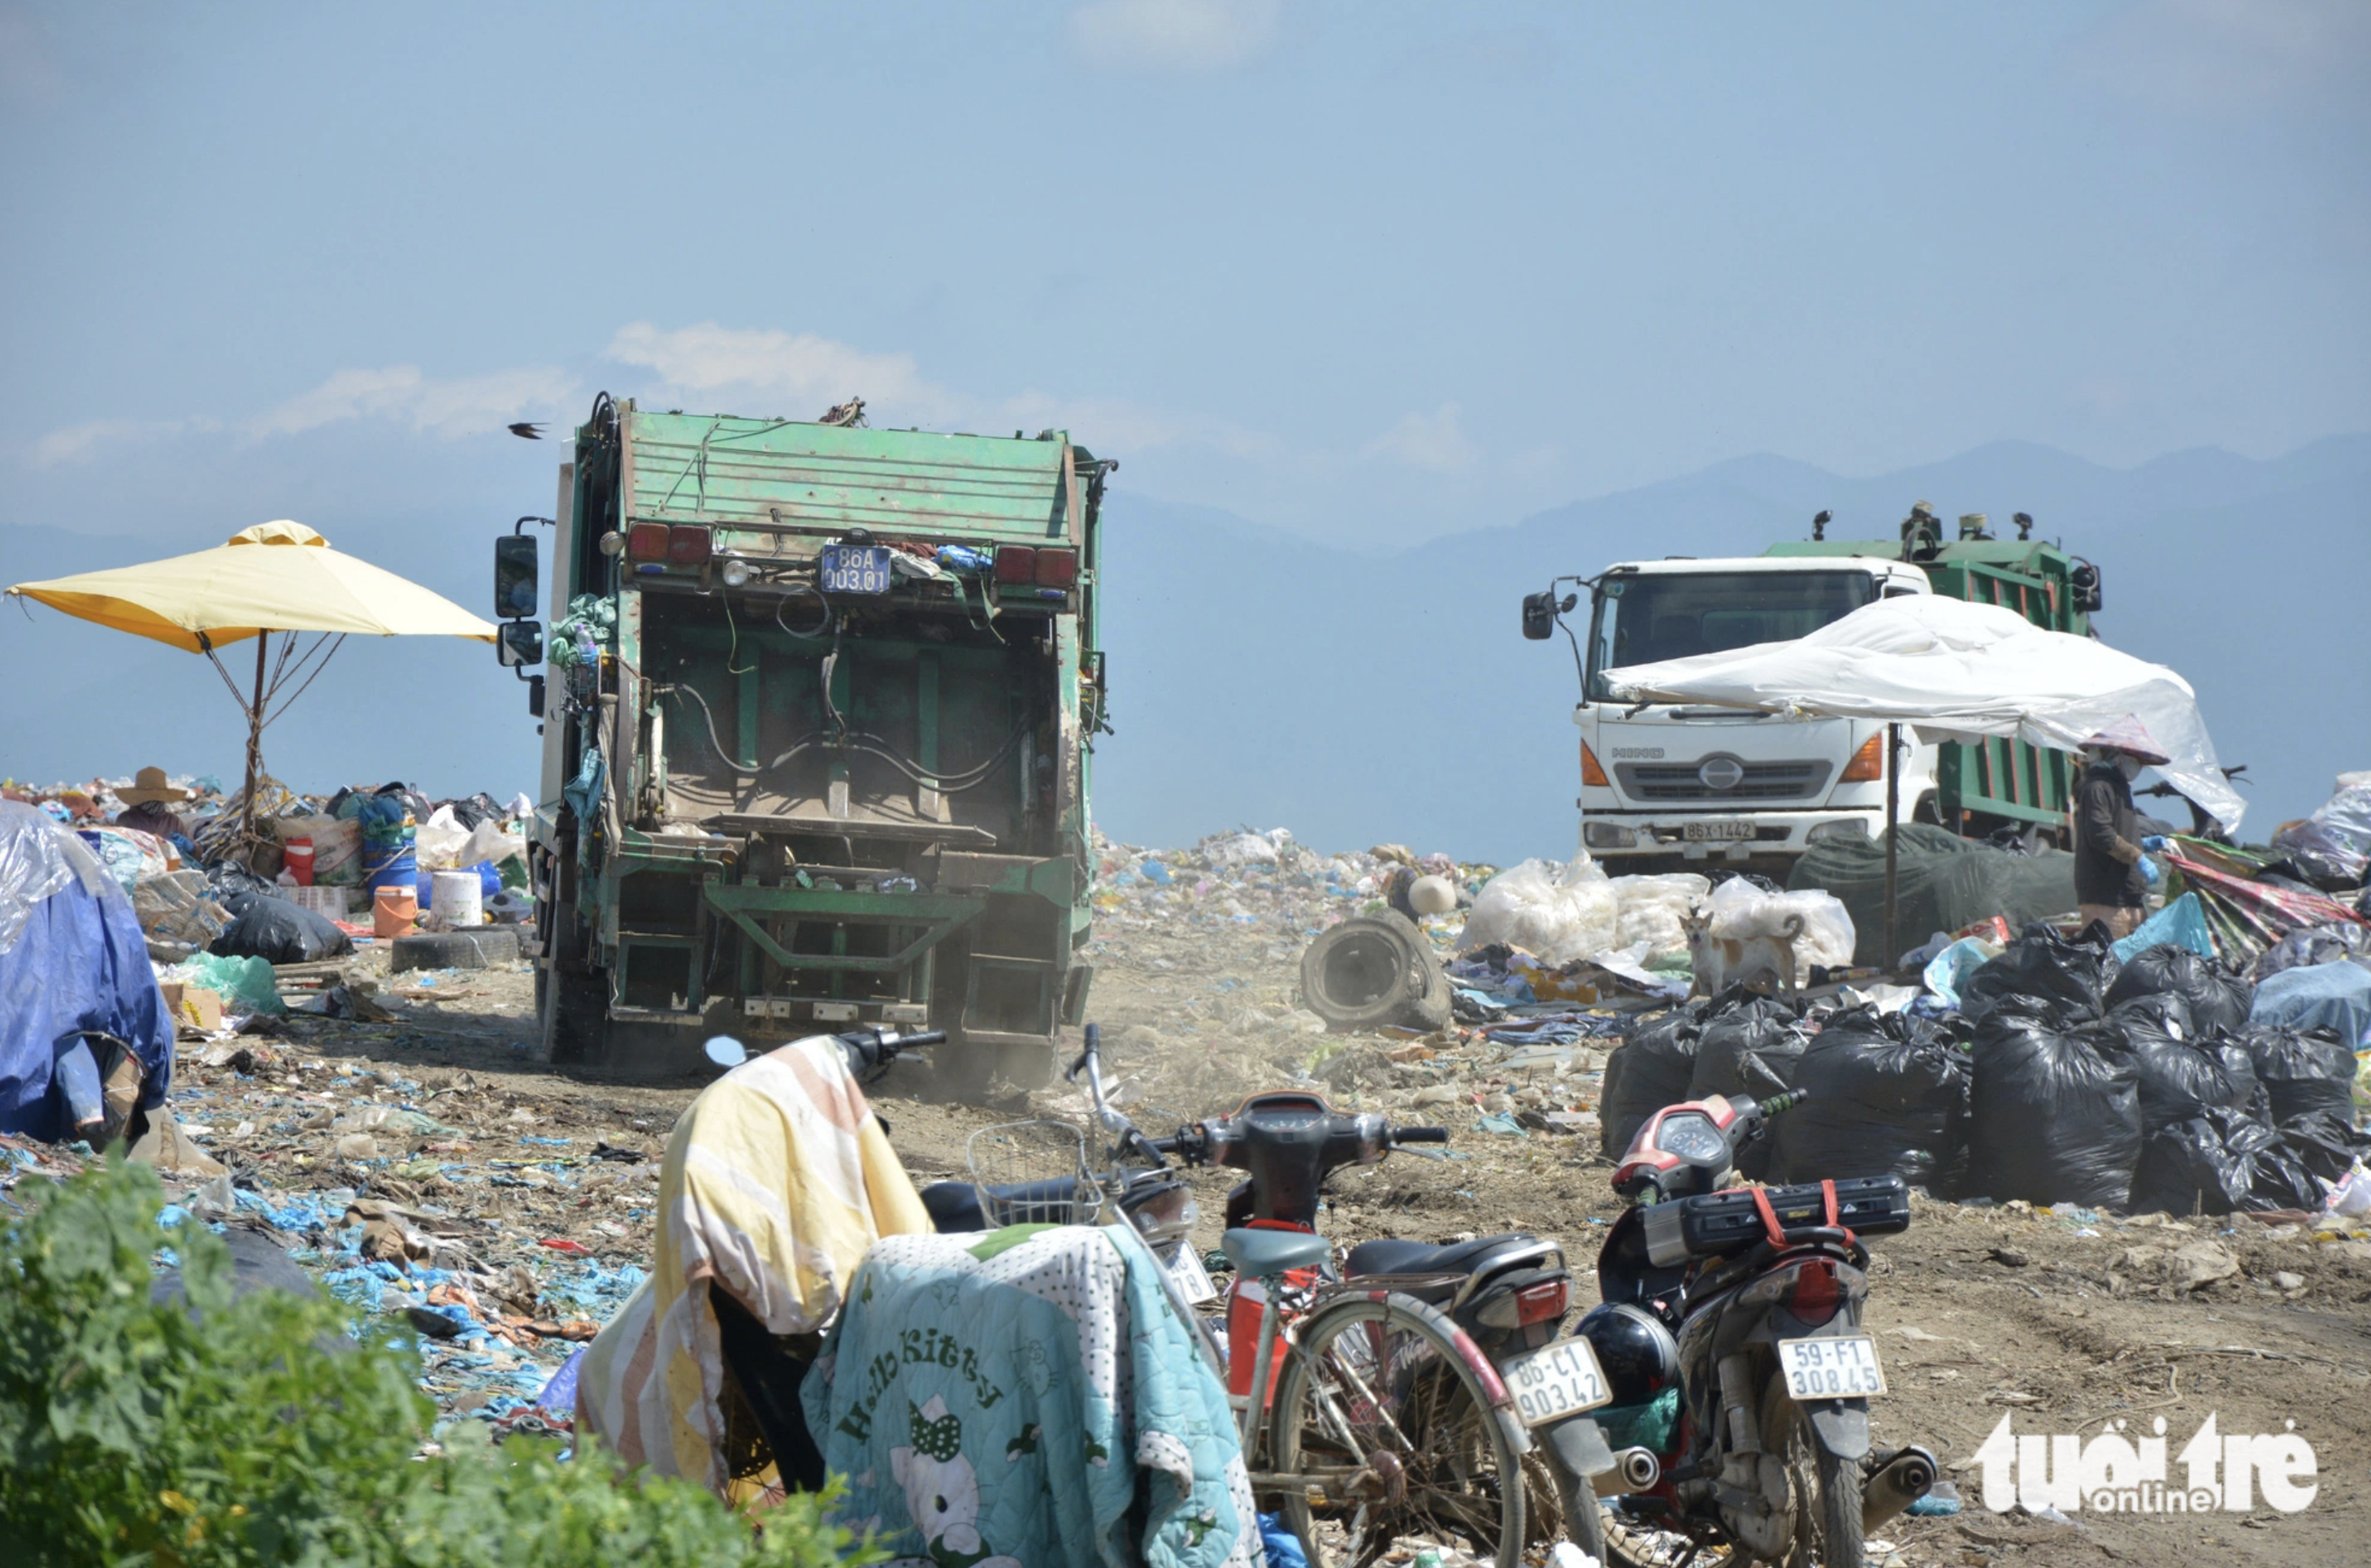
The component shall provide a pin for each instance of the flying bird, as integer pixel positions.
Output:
(526, 432)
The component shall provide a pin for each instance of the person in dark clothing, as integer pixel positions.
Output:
(149, 805)
(2111, 871)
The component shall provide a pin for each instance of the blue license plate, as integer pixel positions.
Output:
(854, 568)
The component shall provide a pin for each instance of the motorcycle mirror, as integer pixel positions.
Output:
(726, 1052)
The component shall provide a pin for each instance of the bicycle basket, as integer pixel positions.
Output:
(1032, 1173)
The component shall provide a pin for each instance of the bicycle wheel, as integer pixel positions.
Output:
(1396, 1435)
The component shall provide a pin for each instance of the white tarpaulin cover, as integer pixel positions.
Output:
(1955, 671)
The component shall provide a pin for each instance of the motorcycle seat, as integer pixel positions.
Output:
(1391, 1256)
(1263, 1254)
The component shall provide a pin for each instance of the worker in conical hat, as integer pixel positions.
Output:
(2112, 870)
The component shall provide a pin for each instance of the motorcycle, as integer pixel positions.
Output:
(1746, 1302)
(1506, 1295)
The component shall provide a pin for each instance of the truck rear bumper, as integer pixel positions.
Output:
(1616, 836)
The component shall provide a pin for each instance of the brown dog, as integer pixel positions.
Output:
(1722, 961)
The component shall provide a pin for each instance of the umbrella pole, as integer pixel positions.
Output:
(1892, 822)
(254, 748)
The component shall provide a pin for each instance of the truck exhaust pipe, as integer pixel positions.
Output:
(1894, 1485)
(1635, 1469)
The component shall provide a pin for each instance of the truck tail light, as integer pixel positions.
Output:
(647, 541)
(1591, 771)
(687, 546)
(1016, 565)
(1867, 764)
(1057, 569)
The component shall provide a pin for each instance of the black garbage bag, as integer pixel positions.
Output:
(2304, 1070)
(2054, 1111)
(279, 932)
(2069, 979)
(233, 887)
(1749, 1047)
(1888, 1096)
(2325, 1142)
(2217, 1000)
(2181, 1073)
(2216, 1162)
(1646, 1072)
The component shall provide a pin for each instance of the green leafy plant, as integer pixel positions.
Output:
(202, 1432)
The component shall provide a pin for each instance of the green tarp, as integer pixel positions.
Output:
(1943, 882)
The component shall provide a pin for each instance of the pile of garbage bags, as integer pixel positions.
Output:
(2166, 1083)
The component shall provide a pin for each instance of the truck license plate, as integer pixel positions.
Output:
(1193, 1280)
(1843, 1368)
(1554, 1382)
(854, 568)
(1715, 832)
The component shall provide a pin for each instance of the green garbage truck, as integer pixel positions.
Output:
(819, 704)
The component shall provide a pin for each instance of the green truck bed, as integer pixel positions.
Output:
(823, 807)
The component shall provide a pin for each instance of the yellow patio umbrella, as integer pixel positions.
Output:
(279, 577)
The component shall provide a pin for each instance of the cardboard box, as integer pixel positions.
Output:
(193, 1005)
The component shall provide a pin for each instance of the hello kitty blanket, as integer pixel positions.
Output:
(993, 1401)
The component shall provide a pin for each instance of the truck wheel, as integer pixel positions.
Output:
(1372, 970)
(575, 1016)
(1027, 1066)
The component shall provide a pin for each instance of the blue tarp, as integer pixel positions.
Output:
(2181, 922)
(2319, 995)
(72, 957)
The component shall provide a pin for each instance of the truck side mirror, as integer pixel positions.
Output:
(519, 642)
(1539, 615)
(515, 577)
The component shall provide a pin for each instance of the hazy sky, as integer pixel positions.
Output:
(1371, 272)
(1389, 269)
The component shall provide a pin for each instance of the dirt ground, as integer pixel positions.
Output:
(2067, 1323)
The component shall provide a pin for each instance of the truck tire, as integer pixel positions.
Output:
(1375, 970)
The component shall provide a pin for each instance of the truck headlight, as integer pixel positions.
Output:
(1848, 827)
(1607, 836)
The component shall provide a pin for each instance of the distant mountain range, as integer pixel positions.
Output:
(1261, 679)
(1355, 699)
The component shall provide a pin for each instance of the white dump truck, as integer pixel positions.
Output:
(1675, 787)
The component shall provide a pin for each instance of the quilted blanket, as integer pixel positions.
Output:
(777, 1179)
(995, 1400)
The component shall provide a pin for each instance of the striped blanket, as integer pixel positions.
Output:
(776, 1181)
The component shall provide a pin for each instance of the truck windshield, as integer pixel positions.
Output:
(1643, 620)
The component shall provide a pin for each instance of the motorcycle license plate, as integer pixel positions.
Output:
(854, 568)
(1843, 1369)
(1193, 1280)
(1715, 832)
(1554, 1382)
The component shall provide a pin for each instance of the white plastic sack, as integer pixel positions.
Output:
(1741, 910)
(488, 843)
(1651, 910)
(1559, 912)
(438, 842)
(1246, 848)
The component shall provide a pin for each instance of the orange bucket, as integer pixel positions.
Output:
(394, 911)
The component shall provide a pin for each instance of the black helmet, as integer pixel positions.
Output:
(1639, 1356)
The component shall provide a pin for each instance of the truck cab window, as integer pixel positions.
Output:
(1644, 619)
